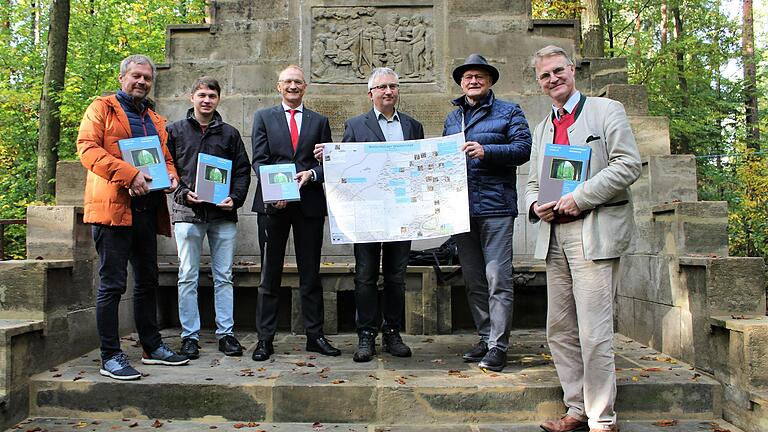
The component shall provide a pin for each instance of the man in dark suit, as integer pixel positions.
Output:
(382, 123)
(287, 133)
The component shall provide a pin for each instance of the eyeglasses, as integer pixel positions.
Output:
(558, 71)
(478, 77)
(298, 82)
(384, 87)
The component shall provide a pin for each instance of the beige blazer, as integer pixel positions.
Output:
(614, 165)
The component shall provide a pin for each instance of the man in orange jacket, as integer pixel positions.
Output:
(126, 216)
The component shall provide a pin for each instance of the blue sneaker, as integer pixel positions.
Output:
(117, 367)
(164, 355)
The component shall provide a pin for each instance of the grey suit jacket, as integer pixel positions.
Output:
(614, 165)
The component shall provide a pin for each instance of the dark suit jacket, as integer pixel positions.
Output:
(271, 143)
(365, 128)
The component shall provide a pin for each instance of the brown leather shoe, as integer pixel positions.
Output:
(565, 424)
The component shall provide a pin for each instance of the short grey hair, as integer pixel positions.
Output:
(137, 59)
(381, 71)
(548, 51)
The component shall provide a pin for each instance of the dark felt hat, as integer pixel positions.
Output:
(475, 61)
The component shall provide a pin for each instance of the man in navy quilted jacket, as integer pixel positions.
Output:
(497, 141)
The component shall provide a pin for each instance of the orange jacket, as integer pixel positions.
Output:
(107, 201)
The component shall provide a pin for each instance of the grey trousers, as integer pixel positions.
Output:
(485, 254)
(580, 326)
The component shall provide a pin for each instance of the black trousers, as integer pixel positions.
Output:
(117, 246)
(308, 242)
(393, 257)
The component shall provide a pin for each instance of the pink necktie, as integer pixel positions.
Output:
(294, 129)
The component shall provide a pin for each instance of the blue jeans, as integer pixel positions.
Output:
(189, 242)
(394, 262)
(485, 254)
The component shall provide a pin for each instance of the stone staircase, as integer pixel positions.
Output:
(433, 388)
(692, 342)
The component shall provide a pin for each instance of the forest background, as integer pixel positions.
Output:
(702, 65)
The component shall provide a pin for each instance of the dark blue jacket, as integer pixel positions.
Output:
(501, 128)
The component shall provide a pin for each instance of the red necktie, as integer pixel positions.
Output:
(294, 129)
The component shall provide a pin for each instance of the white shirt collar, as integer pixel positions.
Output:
(570, 104)
(299, 108)
(379, 114)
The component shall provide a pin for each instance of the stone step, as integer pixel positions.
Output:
(10, 328)
(432, 387)
(54, 424)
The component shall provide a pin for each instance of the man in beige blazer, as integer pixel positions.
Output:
(581, 236)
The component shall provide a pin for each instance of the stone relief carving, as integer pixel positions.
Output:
(347, 43)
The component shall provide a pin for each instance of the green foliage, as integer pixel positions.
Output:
(555, 9)
(101, 33)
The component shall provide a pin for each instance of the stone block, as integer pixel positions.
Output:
(625, 315)
(234, 10)
(651, 134)
(70, 182)
(660, 327)
(58, 233)
(692, 228)
(23, 289)
(176, 81)
(634, 97)
(648, 278)
(353, 400)
(743, 350)
(605, 71)
(297, 319)
(669, 178)
(169, 400)
(255, 40)
(736, 285)
(257, 79)
(505, 8)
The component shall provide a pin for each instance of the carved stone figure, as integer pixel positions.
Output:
(347, 43)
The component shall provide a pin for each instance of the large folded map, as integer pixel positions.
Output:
(390, 191)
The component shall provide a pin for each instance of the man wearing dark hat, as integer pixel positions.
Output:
(497, 141)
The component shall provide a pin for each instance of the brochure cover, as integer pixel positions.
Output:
(277, 183)
(145, 154)
(564, 167)
(213, 179)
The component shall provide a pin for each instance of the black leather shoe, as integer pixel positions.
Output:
(230, 346)
(190, 348)
(495, 360)
(476, 353)
(323, 346)
(392, 343)
(263, 350)
(366, 347)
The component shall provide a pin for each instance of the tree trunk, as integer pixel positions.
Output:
(35, 12)
(592, 23)
(53, 84)
(682, 146)
(750, 78)
(609, 30)
(664, 22)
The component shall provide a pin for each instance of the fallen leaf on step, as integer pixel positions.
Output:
(157, 424)
(338, 381)
(133, 425)
(665, 423)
